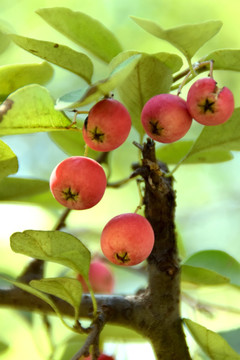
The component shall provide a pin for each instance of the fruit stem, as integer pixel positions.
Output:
(190, 73)
(140, 196)
(86, 150)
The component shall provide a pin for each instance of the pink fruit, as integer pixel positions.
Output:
(127, 239)
(165, 118)
(100, 277)
(208, 104)
(107, 125)
(78, 182)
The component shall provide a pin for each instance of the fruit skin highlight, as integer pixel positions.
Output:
(208, 104)
(78, 182)
(165, 118)
(127, 239)
(107, 125)
(100, 277)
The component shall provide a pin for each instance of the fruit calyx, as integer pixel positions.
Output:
(122, 257)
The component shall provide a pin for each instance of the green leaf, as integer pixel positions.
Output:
(13, 77)
(32, 110)
(175, 152)
(55, 246)
(8, 161)
(60, 55)
(101, 88)
(148, 78)
(225, 59)
(212, 343)
(218, 261)
(232, 337)
(35, 292)
(200, 276)
(83, 30)
(173, 61)
(72, 143)
(4, 40)
(222, 137)
(187, 38)
(15, 189)
(3, 345)
(67, 289)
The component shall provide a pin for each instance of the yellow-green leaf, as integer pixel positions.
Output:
(187, 38)
(21, 189)
(212, 343)
(148, 78)
(101, 88)
(83, 30)
(225, 59)
(68, 289)
(8, 161)
(55, 246)
(13, 77)
(60, 55)
(32, 110)
(175, 152)
(201, 277)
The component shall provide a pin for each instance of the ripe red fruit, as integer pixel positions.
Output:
(127, 239)
(208, 104)
(100, 277)
(165, 118)
(107, 125)
(78, 182)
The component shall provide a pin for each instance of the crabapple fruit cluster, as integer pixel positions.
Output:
(167, 118)
(79, 183)
(100, 277)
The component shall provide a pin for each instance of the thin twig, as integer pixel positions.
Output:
(61, 222)
(92, 339)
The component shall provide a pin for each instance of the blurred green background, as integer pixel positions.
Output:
(208, 196)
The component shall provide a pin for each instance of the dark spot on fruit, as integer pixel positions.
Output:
(155, 128)
(97, 135)
(55, 45)
(68, 194)
(207, 106)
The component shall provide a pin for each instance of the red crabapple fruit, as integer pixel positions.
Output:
(78, 182)
(165, 118)
(127, 239)
(107, 126)
(208, 104)
(100, 277)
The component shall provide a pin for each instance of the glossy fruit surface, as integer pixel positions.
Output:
(107, 126)
(208, 104)
(78, 182)
(127, 239)
(165, 118)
